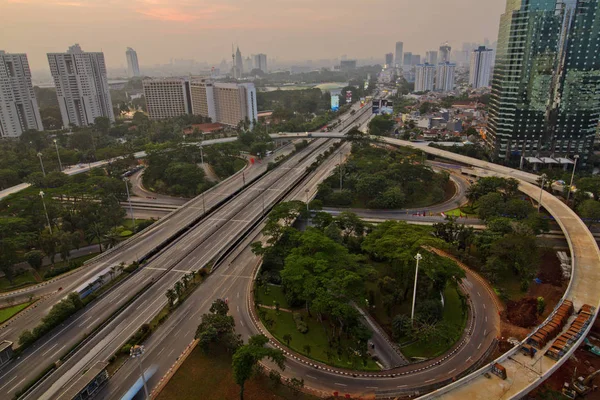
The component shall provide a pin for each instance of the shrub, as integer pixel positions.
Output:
(300, 324)
(126, 349)
(131, 267)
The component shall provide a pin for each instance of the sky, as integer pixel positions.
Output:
(203, 30)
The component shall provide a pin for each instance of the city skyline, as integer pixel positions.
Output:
(160, 30)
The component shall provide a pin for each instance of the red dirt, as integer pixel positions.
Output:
(522, 313)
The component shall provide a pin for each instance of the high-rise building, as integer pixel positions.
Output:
(444, 81)
(546, 86)
(167, 97)
(133, 66)
(445, 50)
(389, 59)
(431, 57)
(347, 65)
(407, 61)
(238, 64)
(415, 59)
(81, 86)
(399, 55)
(424, 77)
(260, 62)
(18, 106)
(481, 67)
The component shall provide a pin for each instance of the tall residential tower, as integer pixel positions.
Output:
(481, 67)
(133, 66)
(81, 86)
(399, 55)
(424, 77)
(546, 85)
(18, 105)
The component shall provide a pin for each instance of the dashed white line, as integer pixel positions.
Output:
(47, 351)
(171, 352)
(340, 384)
(2, 387)
(161, 350)
(372, 387)
(478, 347)
(17, 385)
(484, 306)
(469, 358)
(313, 377)
(401, 386)
(486, 319)
(478, 294)
(430, 380)
(452, 371)
(177, 333)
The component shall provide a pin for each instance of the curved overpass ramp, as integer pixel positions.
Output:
(525, 373)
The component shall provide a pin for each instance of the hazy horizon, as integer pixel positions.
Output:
(160, 30)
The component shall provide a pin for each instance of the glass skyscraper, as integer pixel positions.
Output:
(546, 86)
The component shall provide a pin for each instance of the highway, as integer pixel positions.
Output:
(191, 252)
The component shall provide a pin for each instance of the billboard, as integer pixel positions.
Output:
(348, 96)
(335, 103)
(362, 102)
(376, 105)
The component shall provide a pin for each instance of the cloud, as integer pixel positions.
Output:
(167, 14)
(181, 10)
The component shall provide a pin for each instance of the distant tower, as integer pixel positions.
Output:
(481, 67)
(239, 63)
(133, 66)
(445, 50)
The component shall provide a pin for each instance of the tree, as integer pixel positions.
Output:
(179, 289)
(287, 338)
(171, 296)
(35, 259)
(246, 357)
(590, 211)
(307, 349)
(380, 125)
(401, 325)
(541, 305)
(217, 330)
(219, 307)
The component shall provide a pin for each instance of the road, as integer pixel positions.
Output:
(234, 282)
(191, 252)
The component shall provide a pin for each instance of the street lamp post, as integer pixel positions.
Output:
(42, 164)
(137, 352)
(541, 192)
(46, 212)
(58, 154)
(572, 177)
(129, 200)
(418, 257)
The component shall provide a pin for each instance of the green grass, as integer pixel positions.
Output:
(19, 281)
(238, 164)
(209, 377)
(510, 284)
(457, 212)
(62, 264)
(9, 312)
(275, 293)
(456, 322)
(128, 223)
(315, 338)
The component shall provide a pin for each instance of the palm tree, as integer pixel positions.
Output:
(171, 295)
(288, 338)
(178, 289)
(112, 238)
(184, 280)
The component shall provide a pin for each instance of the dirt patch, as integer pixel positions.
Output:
(551, 294)
(550, 271)
(522, 313)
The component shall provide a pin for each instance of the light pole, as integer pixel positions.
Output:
(58, 154)
(46, 212)
(42, 164)
(541, 191)
(418, 257)
(129, 200)
(572, 177)
(137, 352)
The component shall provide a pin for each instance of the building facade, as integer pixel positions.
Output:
(444, 81)
(546, 84)
(133, 66)
(445, 51)
(235, 103)
(81, 86)
(18, 105)
(431, 57)
(167, 97)
(260, 62)
(407, 60)
(480, 67)
(424, 77)
(389, 59)
(399, 55)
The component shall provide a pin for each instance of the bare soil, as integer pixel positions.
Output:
(522, 313)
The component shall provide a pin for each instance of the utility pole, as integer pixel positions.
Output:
(46, 212)
(418, 257)
(137, 352)
(129, 200)
(572, 178)
(42, 164)
(541, 192)
(58, 154)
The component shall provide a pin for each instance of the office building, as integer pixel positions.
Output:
(389, 59)
(424, 77)
(546, 85)
(431, 57)
(167, 97)
(444, 81)
(444, 55)
(81, 86)
(481, 67)
(18, 106)
(260, 62)
(248, 64)
(399, 55)
(415, 60)
(347, 65)
(133, 66)
(407, 62)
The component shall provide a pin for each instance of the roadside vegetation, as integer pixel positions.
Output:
(311, 284)
(380, 178)
(9, 312)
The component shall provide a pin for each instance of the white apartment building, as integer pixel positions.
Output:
(167, 97)
(481, 67)
(18, 105)
(81, 86)
(133, 65)
(424, 77)
(445, 77)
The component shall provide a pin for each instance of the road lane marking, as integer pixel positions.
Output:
(478, 294)
(161, 350)
(238, 308)
(187, 333)
(47, 351)
(17, 385)
(58, 351)
(85, 320)
(469, 358)
(310, 376)
(430, 380)
(486, 318)
(177, 333)
(484, 306)
(372, 387)
(401, 386)
(92, 323)
(3, 386)
(452, 371)
(478, 347)
(485, 332)
(171, 352)
(340, 384)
